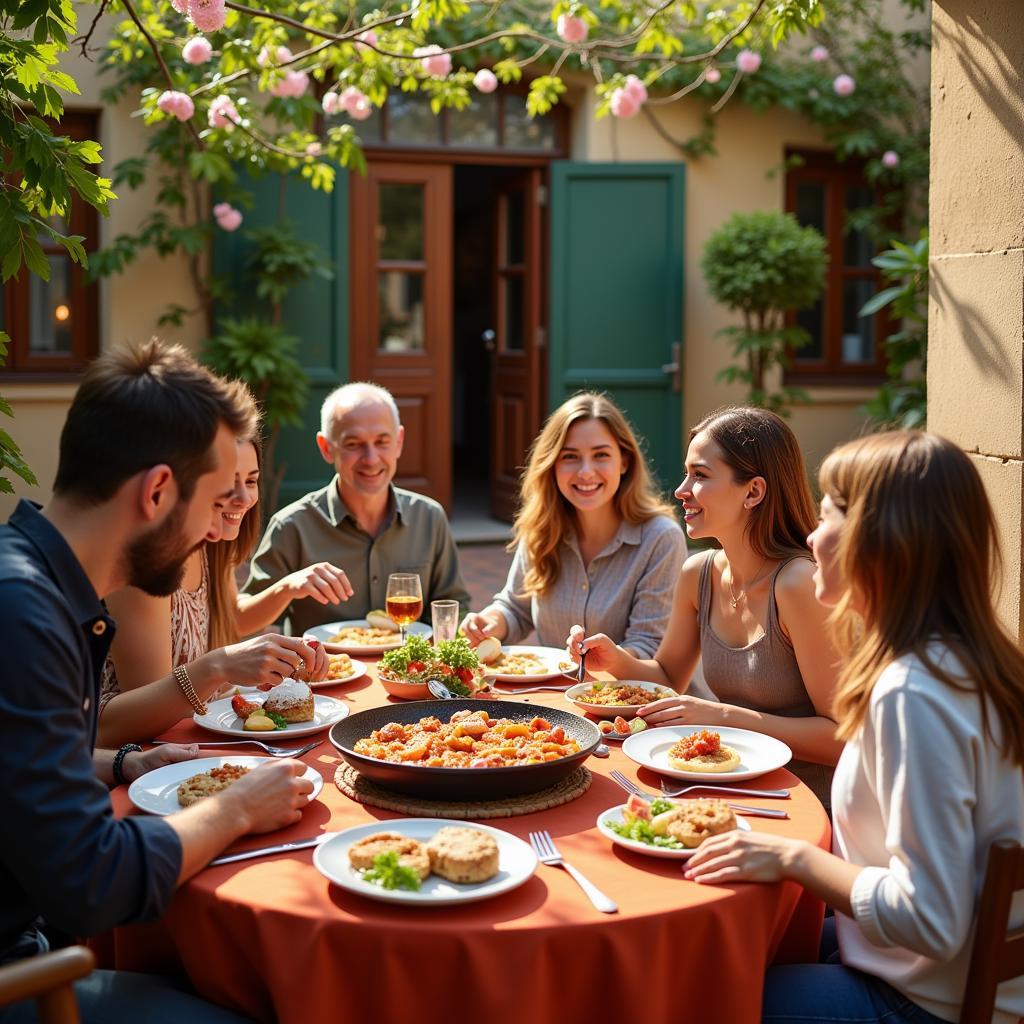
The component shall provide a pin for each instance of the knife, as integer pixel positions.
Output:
(759, 812)
(263, 851)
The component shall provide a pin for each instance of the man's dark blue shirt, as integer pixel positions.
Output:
(64, 857)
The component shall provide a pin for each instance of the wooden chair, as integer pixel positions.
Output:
(998, 953)
(48, 979)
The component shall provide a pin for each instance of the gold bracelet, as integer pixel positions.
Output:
(189, 690)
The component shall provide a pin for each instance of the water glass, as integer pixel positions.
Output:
(444, 619)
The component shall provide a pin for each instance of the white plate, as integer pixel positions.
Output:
(574, 694)
(358, 669)
(157, 791)
(517, 862)
(328, 629)
(222, 719)
(615, 814)
(759, 754)
(551, 656)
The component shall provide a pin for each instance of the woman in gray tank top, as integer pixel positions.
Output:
(747, 609)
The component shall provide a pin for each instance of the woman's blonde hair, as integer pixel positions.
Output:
(545, 517)
(919, 557)
(223, 558)
(757, 442)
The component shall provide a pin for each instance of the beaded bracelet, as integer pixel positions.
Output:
(189, 690)
(122, 752)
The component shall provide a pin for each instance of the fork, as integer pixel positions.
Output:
(547, 853)
(273, 751)
(753, 812)
(531, 689)
(767, 794)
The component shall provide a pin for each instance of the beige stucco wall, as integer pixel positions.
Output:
(976, 302)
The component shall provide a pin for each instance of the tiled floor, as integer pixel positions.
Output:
(484, 568)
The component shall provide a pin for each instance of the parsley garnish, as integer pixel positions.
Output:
(389, 874)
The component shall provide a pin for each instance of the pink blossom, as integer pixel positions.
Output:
(331, 103)
(207, 15)
(349, 97)
(197, 50)
(890, 158)
(221, 208)
(293, 85)
(181, 6)
(369, 38)
(712, 74)
(748, 61)
(485, 80)
(819, 53)
(222, 112)
(436, 62)
(844, 85)
(177, 104)
(227, 217)
(267, 57)
(624, 104)
(571, 29)
(313, 149)
(636, 88)
(361, 109)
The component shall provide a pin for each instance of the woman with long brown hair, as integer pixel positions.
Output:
(931, 705)
(746, 609)
(593, 540)
(141, 694)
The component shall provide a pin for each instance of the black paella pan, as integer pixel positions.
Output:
(462, 783)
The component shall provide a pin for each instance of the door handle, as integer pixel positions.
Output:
(488, 339)
(674, 369)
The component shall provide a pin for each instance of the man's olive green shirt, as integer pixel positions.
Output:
(320, 528)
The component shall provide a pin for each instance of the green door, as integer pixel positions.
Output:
(316, 312)
(616, 301)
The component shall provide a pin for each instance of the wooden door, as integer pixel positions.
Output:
(401, 217)
(517, 380)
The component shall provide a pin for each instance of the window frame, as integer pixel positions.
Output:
(22, 364)
(822, 167)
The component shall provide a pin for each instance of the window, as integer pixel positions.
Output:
(54, 325)
(844, 347)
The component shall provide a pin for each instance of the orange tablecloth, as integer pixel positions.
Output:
(273, 939)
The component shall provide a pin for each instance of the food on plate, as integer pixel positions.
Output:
(703, 751)
(621, 695)
(380, 619)
(407, 852)
(621, 726)
(205, 784)
(260, 721)
(463, 855)
(339, 666)
(417, 661)
(521, 664)
(488, 649)
(291, 700)
(673, 824)
(363, 636)
(471, 739)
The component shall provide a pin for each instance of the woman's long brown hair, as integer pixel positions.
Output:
(919, 556)
(545, 517)
(757, 442)
(223, 558)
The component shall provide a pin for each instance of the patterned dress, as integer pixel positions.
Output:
(190, 631)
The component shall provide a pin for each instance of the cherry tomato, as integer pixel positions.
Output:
(416, 666)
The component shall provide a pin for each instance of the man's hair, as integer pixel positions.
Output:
(347, 397)
(145, 405)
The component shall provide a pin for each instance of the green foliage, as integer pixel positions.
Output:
(901, 401)
(10, 453)
(764, 265)
(280, 260)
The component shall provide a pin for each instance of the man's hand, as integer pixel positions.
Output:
(135, 765)
(323, 582)
(270, 796)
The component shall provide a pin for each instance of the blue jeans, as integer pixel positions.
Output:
(829, 993)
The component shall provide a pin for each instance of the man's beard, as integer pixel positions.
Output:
(156, 560)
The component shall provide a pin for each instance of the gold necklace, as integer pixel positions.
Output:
(743, 592)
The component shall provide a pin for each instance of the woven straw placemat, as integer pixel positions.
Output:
(356, 786)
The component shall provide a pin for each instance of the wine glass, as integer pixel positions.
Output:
(404, 600)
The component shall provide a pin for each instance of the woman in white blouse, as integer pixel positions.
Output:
(594, 542)
(931, 705)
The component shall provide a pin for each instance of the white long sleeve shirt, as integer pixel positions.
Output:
(918, 798)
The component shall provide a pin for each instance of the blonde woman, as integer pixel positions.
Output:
(931, 706)
(593, 541)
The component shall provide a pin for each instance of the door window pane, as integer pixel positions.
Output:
(410, 119)
(513, 340)
(515, 226)
(524, 132)
(50, 310)
(857, 245)
(858, 331)
(401, 310)
(477, 125)
(400, 230)
(810, 204)
(812, 321)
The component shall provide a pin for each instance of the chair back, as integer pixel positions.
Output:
(48, 979)
(998, 953)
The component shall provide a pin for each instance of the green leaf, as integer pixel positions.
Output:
(877, 302)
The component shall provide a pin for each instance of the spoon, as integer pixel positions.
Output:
(439, 690)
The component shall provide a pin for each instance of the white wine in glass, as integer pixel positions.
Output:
(404, 600)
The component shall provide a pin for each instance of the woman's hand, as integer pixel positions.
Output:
(744, 857)
(681, 710)
(602, 653)
(136, 764)
(325, 583)
(268, 659)
(479, 625)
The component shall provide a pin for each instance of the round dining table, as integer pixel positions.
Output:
(273, 939)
